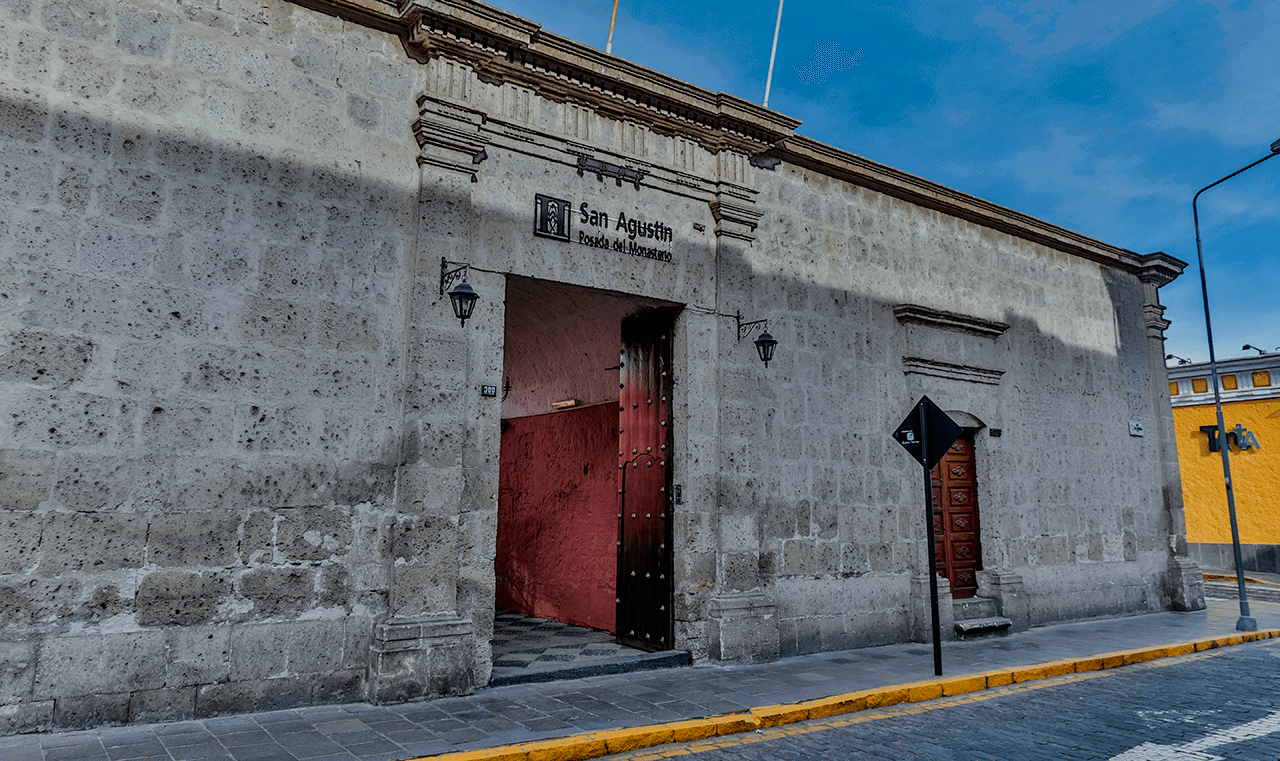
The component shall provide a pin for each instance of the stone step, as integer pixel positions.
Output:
(1227, 590)
(989, 625)
(975, 607)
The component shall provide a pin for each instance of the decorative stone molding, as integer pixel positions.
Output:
(735, 218)
(965, 359)
(966, 373)
(450, 136)
(1157, 270)
(936, 318)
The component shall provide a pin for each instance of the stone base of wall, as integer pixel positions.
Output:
(69, 681)
(744, 629)
(422, 657)
(1218, 556)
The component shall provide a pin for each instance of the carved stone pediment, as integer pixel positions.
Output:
(949, 345)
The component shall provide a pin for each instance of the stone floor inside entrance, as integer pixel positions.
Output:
(531, 649)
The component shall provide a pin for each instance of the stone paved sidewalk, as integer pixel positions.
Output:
(525, 712)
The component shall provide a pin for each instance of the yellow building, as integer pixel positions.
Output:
(1250, 392)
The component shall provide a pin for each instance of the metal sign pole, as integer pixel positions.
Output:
(933, 559)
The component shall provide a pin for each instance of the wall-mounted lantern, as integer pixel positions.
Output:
(463, 297)
(765, 344)
(764, 347)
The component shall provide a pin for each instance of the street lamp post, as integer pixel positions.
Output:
(1246, 622)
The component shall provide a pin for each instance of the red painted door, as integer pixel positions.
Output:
(955, 518)
(644, 483)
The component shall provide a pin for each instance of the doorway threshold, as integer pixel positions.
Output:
(529, 649)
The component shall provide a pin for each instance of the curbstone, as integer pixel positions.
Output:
(1029, 673)
(886, 697)
(922, 691)
(688, 731)
(960, 685)
(834, 706)
(772, 716)
(636, 738)
(572, 748)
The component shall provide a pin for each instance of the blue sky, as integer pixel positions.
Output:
(1103, 116)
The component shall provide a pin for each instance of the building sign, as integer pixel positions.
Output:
(634, 235)
(1241, 437)
(551, 217)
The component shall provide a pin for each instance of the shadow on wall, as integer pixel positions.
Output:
(200, 421)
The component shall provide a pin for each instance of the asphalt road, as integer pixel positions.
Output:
(1216, 705)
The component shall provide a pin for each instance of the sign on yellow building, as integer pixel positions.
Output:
(1250, 392)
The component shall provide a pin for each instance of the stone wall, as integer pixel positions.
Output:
(205, 222)
(244, 458)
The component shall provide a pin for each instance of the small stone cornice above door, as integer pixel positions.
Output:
(932, 347)
(936, 318)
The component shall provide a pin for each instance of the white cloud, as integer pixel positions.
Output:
(1044, 27)
(1245, 108)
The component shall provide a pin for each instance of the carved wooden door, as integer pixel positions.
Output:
(955, 518)
(644, 483)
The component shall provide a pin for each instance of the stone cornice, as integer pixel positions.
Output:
(504, 48)
(1160, 269)
(831, 161)
(937, 318)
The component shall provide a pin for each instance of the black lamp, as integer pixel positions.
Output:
(765, 345)
(464, 299)
(462, 296)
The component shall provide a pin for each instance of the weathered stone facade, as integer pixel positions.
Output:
(244, 457)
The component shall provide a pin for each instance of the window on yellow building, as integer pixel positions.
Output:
(1173, 388)
(1199, 385)
(1228, 383)
(1261, 378)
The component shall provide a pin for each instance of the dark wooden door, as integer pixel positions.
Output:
(955, 518)
(644, 483)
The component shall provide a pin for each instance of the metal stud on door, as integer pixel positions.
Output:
(644, 449)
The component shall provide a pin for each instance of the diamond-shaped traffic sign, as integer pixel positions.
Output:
(943, 432)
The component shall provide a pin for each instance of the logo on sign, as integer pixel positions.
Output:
(551, 217)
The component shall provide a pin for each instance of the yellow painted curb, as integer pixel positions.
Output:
(635, 738)
(688, 731)
(1088, 664)
(834, 706)
(922, 691)
(886, 696)
(572, 748)
(732, 724)
(596, 744)
(959, 685)
(773, 716)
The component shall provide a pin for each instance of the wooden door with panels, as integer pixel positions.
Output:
(955, 518)
(645, 589)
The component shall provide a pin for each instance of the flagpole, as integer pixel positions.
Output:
(608, 46)
(772, 54)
